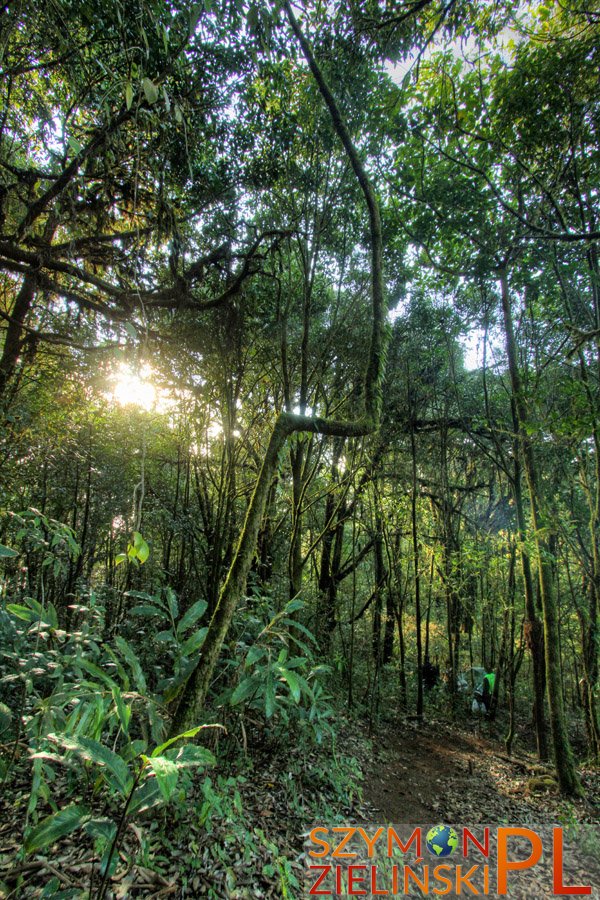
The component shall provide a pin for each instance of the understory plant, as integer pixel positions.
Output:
(276, 673)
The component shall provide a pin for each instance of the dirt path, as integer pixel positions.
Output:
(435, 772)
(415, 771)
(432, 773)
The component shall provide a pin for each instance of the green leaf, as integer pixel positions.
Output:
(5, 717)
(150, 90)
(133, 662)
(320, 670)
(128, 95)
(178, 737)
(254, 654)
(130, 329)
(293, 683)
(56, 826)
(137, 549)
(299, 627)
(22, 612)
(7, 552)
(245, 689)
(74, 145)
(172, 601)
(145, 797)
(101, 828)
(120, 558)
(270, 699)
(194, 643)
(294, 605)
(146, 611)
(92, 669)
(123, 711)
(189, 618)
(51, 615)
(143, 553)
(166, 774)
(125, 683)
(192, 755)
(92, 751)
(165, 637)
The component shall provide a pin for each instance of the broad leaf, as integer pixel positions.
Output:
(293, 683)
(133, 662)
(192, 755)
(7, 552)
(150, 90)
(56, 826)
(254, 654)
(146, 611)
(189, 618)
(193, 643)
(166, 774)
(270, 699)
(123, 711)
(192, 732)
(245, 689)
(101, 828)
(92, 751)
(92, 669)
(22, 612)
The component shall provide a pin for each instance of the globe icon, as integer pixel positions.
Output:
(441, 840)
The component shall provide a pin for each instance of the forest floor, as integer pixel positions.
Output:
(413, 772)
(435, 771)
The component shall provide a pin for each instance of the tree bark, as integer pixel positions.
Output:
(13, 339)
(193, 698)
(534, 633)
(563, 756)
(417, 573)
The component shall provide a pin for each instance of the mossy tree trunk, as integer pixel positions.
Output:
(191, 705)
(563, 756)
(534, 633)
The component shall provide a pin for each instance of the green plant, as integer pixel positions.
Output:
(85, 706)
(139, 782)
(280, 866)
(51, 541)
(137, 552)
(179, 636)
(283, 687)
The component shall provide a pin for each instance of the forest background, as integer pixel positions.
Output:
(299, 389)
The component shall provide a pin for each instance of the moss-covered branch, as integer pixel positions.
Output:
(190, 709)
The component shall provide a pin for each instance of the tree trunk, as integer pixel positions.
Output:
(13, 338)
(194, 694)
(563, 756)
(416, 570)
(534, 633)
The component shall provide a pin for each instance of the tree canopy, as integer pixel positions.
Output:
(299, 389)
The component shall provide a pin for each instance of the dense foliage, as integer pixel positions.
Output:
(237, 490)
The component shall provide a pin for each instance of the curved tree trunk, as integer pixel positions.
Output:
(191, 705)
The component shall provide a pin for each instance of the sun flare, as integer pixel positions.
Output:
(134, 388)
